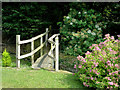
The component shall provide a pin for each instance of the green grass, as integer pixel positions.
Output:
(25, 77)
(28, 78)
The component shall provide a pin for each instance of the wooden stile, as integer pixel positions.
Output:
(54, 45)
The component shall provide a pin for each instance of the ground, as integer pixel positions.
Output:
(28, 78)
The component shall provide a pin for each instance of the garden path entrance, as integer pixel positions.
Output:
(48, 60)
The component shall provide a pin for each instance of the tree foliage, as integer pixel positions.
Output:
(30, 19)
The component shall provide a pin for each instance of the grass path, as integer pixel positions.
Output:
(28, 78)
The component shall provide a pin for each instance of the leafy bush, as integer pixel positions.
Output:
(99, 68)
(80, 29)
(6, 59)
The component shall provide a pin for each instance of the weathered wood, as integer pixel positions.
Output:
(17, 51)
(25, 41)
(26, 55)
(33, 52)
(41, 53)
(51, 41)
(52, 48)
(32, 39)
(46, 37)
(39, 36)
(57, 54)
(32, 49)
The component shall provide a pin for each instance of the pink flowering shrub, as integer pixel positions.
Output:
(99, 68)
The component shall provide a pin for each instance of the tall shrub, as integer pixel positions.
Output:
(99, 68)
(80, 29)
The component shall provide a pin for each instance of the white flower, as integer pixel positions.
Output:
(72, 37)
(89, 31)
(75, 45)
(71, 23)
(99, 28)
(79, 12)
(85, 12)
(67, 48)
(67, 17)
(93, 33)
(96, 26)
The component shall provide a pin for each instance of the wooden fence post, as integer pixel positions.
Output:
(57, 54)
(32, 49)
(17, 51)
(46, 37)
(42, 47)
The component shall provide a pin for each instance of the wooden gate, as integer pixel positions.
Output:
(54, 45)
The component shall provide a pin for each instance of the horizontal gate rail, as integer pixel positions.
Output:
(33, 51)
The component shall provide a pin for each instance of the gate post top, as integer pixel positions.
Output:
(46, 29)
(17, 38)
(18, 35)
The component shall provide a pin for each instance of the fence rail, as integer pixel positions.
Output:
(33, 51)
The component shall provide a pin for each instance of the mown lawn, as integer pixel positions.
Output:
(25, 77)
(28, 78)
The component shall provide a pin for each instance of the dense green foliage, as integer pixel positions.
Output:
(80, 29)
(109, 10)
(99, 68)
(30, 19)
(6, 59)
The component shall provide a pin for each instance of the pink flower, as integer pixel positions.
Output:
(94, 44)
(108, 62)
(108, 78)
(108, 70)
(97, 48)
(107, 35)
(84, 61)
(79, 57)
(112, 37)
(90, 47)
(96, 64)
(95, 78)
(84, 83)
(113, 52)
(110, 49)
(74, 66)
(87, 85)
(97, 82)
(80, 66)
(88, 53)
(94, 71)
(116, 65)
(110, 73)
(116, 72)
(106, 66)
(103, 52)
(116, 85)
(111, 83)
(91, 78)
(90, 70)
(116, 57)
(116, 40)
(118, 35)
